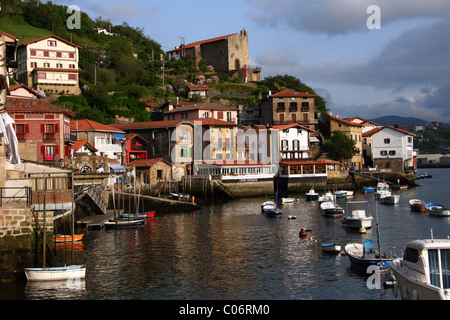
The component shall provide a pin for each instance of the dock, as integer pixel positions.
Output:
(96, 220)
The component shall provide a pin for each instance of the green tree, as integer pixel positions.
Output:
(340, 146)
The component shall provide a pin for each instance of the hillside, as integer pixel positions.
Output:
(402, 121)
(121, 74)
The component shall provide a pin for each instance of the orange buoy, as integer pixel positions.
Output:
(303, 233)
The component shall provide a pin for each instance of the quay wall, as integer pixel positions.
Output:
(19, 247)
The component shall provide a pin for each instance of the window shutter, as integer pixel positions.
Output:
(57, 128)
(56, 150)
(43, 150)
(42, 128)
(27, 128)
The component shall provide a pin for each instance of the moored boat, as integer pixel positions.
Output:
(436, 209)
(328, 196)
(357, 215)
(424, 272)
(364, 255)
(145, 215)
(124, 223)
(368, 189)
(56, 273)
(268, 205)
(287, 200)
(390, 199)
(59, 238)
(340, 194)
(331, 209)
(417, 205)
(312, 195)
(331, 247)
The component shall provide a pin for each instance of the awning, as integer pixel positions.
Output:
(119, 136)
(117, 168)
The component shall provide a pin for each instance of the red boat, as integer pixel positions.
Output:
(140, 216)
(417, 205)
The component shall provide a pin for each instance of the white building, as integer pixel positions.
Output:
(49, 63)
(392, 148)
(294, 141)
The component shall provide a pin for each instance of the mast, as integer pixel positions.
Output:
(44, 228)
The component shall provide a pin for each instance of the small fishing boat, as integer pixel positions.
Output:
(331, 247)
(312, 195)
(123, 223)
(275, 213)
(340, 194)
(331, 209)
(368, 189)
(423, 176)
(417, 205)
(56, 273)
(268, 205)
(358, 215)
(145, 215)
(364, 255)
(436, 209)
(287, 200)
(60, 238)
(389, 199)
(382, 190)
(423, 273)
(328, 196)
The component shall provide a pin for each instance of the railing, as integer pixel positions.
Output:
(23, 193)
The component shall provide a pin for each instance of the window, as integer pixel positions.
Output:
(155, 151)
(21, 131)
(46, 53)
(72, 77)
(392, 152)
(71, 55)
(59, 65)
(33, 64)
(383, 152)
(280, 107)
(71, 66)
(296, 144)
(42, 75)
(229, 116)
(51, 43)
(206, 114)
(387, 141)
(293, 107)
(284, 145)
(433, 260)
(410, 140)
(32, 52)
(305, 106)
(159, 174)
(46, 65)
(58, 54)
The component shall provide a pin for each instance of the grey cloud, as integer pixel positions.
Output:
(340, 17)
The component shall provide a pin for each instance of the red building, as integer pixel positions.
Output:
(42, 129)
(133, 148)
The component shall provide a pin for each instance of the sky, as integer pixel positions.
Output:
(366, 58)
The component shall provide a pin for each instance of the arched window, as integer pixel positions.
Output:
(237, 64)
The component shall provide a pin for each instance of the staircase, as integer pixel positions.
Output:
(224, 189)
(93, 196)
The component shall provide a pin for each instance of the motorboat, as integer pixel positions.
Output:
(331, 247)
(390, 199)
(340, 194)
(331, 209)
(144, 215)
(56, 273)
(382, 190)
(424, 271)
(364, 255)
(287, 200)
(417, 205)
(328, 196)
(312, 195)
(268, 205)
(436, 209)
(358, 215)
(368, 189)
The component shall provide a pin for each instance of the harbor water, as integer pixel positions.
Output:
(232, 251)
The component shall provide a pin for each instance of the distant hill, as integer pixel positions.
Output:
(402, 121)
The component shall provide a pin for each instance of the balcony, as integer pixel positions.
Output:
(49, 137)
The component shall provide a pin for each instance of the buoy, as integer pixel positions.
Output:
(303, 233)
(362, 230)
(292, 217)
(298, 200)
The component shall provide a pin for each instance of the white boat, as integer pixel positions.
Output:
(390, 199)
(56, 273)
(331, 209)
(382, 190)
(364, 255)
(328, 196)
(287, 200)
(268, 205)
(437, 210)
(358, 215)
(424, 272)
(312, 195)
(331, 247)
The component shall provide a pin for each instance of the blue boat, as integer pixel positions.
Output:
(362, 256)
(270, 209)
(368, 189)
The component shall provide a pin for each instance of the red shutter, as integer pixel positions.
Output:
(56, 150)
(57, 128)
(42, 128)
(27, 128)
(42, 149)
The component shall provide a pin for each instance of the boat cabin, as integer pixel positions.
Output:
(431, 260)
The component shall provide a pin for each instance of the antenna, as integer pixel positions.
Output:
(182, 46)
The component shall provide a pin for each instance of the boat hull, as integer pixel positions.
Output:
(417, 205)
(56, 274)
(312, 197)
(331, 248)
(61, 238)
(124, 223)
(437, 210)
(392, 199)
(273, 213)
(411, 289)
(146, 215)
(354, 252)
(358, 223)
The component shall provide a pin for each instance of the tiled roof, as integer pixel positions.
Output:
(285, 126)
(52, 36)
(13, 87)
(142, 163)
(8, 35)
(348, 122)
(21, 105)
(203, 106)
(170, 123)
(199, 87)
(375, 130)
(79, 143)
(198, 43)
(89, 125)
(292, 93)
(131, 136)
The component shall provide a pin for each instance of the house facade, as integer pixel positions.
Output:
(202, 110)
(42, 129)
(289, 106)
(49, 63)
(293, 142)
(133, 148)
(106, 139)
(392, 149)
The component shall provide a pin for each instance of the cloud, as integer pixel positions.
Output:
(340, 17)
(417, 57)
(282, 61)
